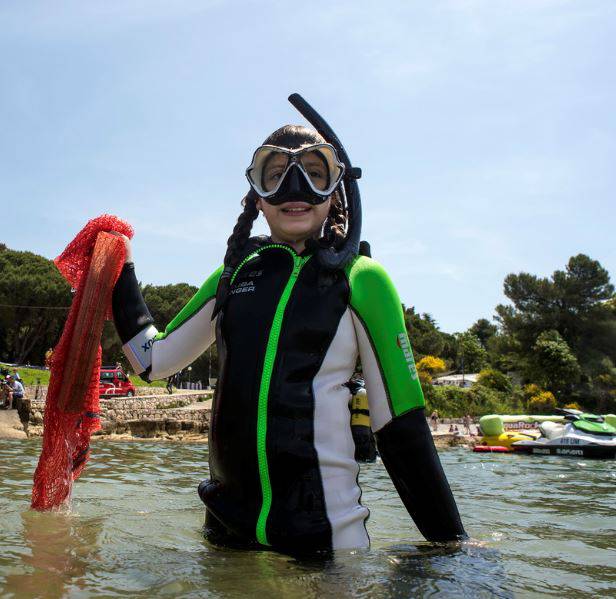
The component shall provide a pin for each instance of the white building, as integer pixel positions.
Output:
(456, 380)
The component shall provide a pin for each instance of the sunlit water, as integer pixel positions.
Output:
(542, 526)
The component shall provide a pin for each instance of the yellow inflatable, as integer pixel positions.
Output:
(495, 435)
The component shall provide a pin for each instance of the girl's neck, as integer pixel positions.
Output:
(299, 246)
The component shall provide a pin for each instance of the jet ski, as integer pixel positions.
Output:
(570, 433)
(580, 435)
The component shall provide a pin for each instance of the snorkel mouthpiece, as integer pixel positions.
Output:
(330, 257)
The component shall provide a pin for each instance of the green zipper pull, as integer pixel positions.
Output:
(298, 263)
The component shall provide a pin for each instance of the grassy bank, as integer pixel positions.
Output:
(30, 376)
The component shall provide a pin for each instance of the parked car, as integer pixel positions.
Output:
(114, 382)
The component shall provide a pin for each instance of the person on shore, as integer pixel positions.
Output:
(434, 420)
(467, 423)
(289, 323)
(16, 376)
(17, 391)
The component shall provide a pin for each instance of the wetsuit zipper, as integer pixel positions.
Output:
(268, 367)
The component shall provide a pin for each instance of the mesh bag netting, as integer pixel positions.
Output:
(91, 264)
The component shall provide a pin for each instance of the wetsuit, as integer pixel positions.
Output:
(282, 467)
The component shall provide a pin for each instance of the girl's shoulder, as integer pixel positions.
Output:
(366, 272)
(369, 283)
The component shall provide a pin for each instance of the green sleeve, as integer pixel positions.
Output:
(375, 303)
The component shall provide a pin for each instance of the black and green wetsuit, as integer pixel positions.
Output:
(282, 468)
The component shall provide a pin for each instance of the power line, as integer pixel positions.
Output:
(37, 307)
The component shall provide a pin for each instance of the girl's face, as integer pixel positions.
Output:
(294, 222)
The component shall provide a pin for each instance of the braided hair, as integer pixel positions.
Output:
(334, 228)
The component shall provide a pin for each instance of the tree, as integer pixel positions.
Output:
(570, 302)
(556, 365)
(34, 298)
(603, 383)
(504, 353)
(424, 334)
(470, 355)
(558, 331)
(165, 302)
(484, 330)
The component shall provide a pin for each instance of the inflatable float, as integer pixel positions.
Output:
(570, 433)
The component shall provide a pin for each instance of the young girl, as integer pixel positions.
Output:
(288, 330)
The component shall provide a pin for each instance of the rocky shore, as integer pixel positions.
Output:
(182, 416)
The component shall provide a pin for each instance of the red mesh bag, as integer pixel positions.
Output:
(91, 263)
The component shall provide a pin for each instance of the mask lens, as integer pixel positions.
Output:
(315, 166)
(274, 167)
(268, 166)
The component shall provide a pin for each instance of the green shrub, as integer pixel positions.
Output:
(493, 379)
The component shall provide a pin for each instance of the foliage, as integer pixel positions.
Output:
(164, 303)
(602, 383)
(484, 330)
(425, 336)
(429, 366)
(572, 405)
(561, 332)
(555, 365)
(542, 403)
(573, 303)
(493, 379)
(471, 356)
(531, 389)
(456, 402)
(30, 280)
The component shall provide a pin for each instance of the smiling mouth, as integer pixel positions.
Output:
(296, 210)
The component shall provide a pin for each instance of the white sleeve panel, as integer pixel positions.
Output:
(380, 412)
(139, 349)
(185, 344)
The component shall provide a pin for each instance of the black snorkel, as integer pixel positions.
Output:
(330, 257)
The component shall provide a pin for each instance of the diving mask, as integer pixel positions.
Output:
(310, 173)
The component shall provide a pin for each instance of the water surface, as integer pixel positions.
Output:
(544, 526)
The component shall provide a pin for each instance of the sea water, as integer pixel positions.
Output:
(540, 526)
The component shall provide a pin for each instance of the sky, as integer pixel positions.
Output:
(485, 129)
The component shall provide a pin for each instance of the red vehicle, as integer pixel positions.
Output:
(114, 382)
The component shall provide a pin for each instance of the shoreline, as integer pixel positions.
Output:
(12, 428)
(183, 417)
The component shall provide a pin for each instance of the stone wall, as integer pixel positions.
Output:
(161, 416)
(140, 391)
